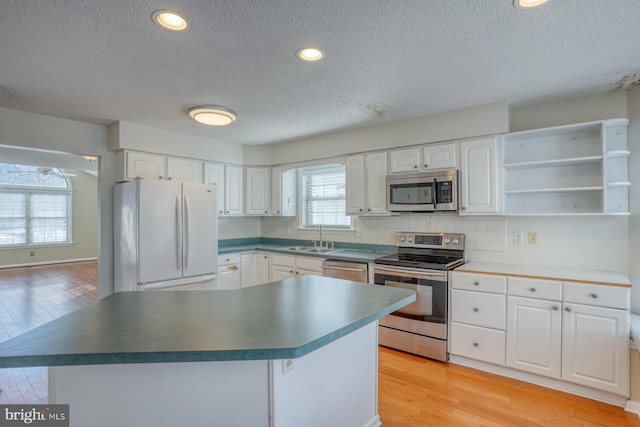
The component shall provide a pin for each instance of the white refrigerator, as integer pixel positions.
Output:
(165, 235)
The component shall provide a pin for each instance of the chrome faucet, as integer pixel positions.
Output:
(320, 230)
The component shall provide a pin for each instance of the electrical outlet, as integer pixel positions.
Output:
(358, 232)
(533, 238)
(288, 229)
(380, 233)
(32, 253)
(518, 237)
(287, 365)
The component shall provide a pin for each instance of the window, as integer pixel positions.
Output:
(35, 206)
(323, 197)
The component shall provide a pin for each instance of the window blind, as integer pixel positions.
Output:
(323, 197)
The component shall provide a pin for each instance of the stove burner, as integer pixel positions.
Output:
(435, 251)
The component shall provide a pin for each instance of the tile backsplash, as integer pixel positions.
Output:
(481, 233)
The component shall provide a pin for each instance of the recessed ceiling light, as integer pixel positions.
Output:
(528, 4)
(170, 20)
(212, 115)
(310, 54)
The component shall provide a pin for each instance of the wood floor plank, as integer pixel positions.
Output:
(415, 391)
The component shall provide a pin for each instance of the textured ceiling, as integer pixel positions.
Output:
(103, 61)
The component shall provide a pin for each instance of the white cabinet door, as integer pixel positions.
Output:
(145, 165)
(254, 269)
(184, 170)
(281, 272)
(595, 347)
(214, 174)
(261, 266)
(376, 183)
(355, 185)
(440, 156)
(229, 277)
(234, 192)
(407, 160)
(276, 190)
(258, 190)
(534, 338)
(283, 192)
(479, 177)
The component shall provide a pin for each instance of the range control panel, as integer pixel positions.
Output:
(431, 240)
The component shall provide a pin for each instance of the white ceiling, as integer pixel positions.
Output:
(103, 61)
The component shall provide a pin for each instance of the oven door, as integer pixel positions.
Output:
(430, 286)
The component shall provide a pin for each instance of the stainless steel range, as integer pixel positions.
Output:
(422, 264)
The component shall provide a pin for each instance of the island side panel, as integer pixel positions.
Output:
(336, 385)
(230, 394)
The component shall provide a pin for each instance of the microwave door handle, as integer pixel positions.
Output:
(435, 193)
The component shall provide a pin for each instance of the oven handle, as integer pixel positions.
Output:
(411, 273)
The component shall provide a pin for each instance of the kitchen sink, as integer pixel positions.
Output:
(315, 249)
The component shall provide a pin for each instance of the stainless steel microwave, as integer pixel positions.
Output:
(435, 191)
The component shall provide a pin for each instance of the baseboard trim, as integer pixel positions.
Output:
(633, 407)
(578, 390)
(34, 264)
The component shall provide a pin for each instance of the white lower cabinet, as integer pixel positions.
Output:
(286, 266)
(254, 267)
(595, 347)
(229, 271)
(572, 332)
(534, 336)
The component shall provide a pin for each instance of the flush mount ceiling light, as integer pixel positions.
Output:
(212, 115)
(170, 20)
(310, 54)
(528, 4)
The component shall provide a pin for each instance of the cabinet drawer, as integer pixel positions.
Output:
(478, 308)
(535, 288)
(599, 295)
(479, 282)
(224, 259)
(314, 264)
(286, 260)
(487, 345)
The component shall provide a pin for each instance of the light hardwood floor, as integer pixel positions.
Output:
(413, 391)
(30, 297)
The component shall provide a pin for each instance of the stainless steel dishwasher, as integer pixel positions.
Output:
(348, 270)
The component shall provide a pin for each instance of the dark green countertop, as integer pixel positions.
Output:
(279, 320)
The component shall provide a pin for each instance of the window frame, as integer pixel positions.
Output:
(29, 191)
(302, 213)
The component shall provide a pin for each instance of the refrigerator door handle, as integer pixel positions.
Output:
(178, 233)
(187, 233)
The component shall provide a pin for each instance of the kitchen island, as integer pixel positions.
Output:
(296, 352)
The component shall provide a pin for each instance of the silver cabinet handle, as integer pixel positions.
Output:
(475, 344)
(568, 309)
(555, 307)
(476, 309)
(594, 295)
(532, 289)
(476, 283)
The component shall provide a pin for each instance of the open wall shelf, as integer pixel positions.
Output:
(579, 169)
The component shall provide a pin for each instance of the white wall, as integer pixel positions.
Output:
(36, 131)
(634, 198)
(125, 135)
(84, 233)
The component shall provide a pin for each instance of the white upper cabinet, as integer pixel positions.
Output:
(188, 170)
(145, 165)
(428, 157)
(258, 194)
(440, 156)
(214, 174)
(578, 169)
(234, 194)
(157, 166)
(406, 160)
(355, 185)
(366, 177)
(479, 176)
(283, 192)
